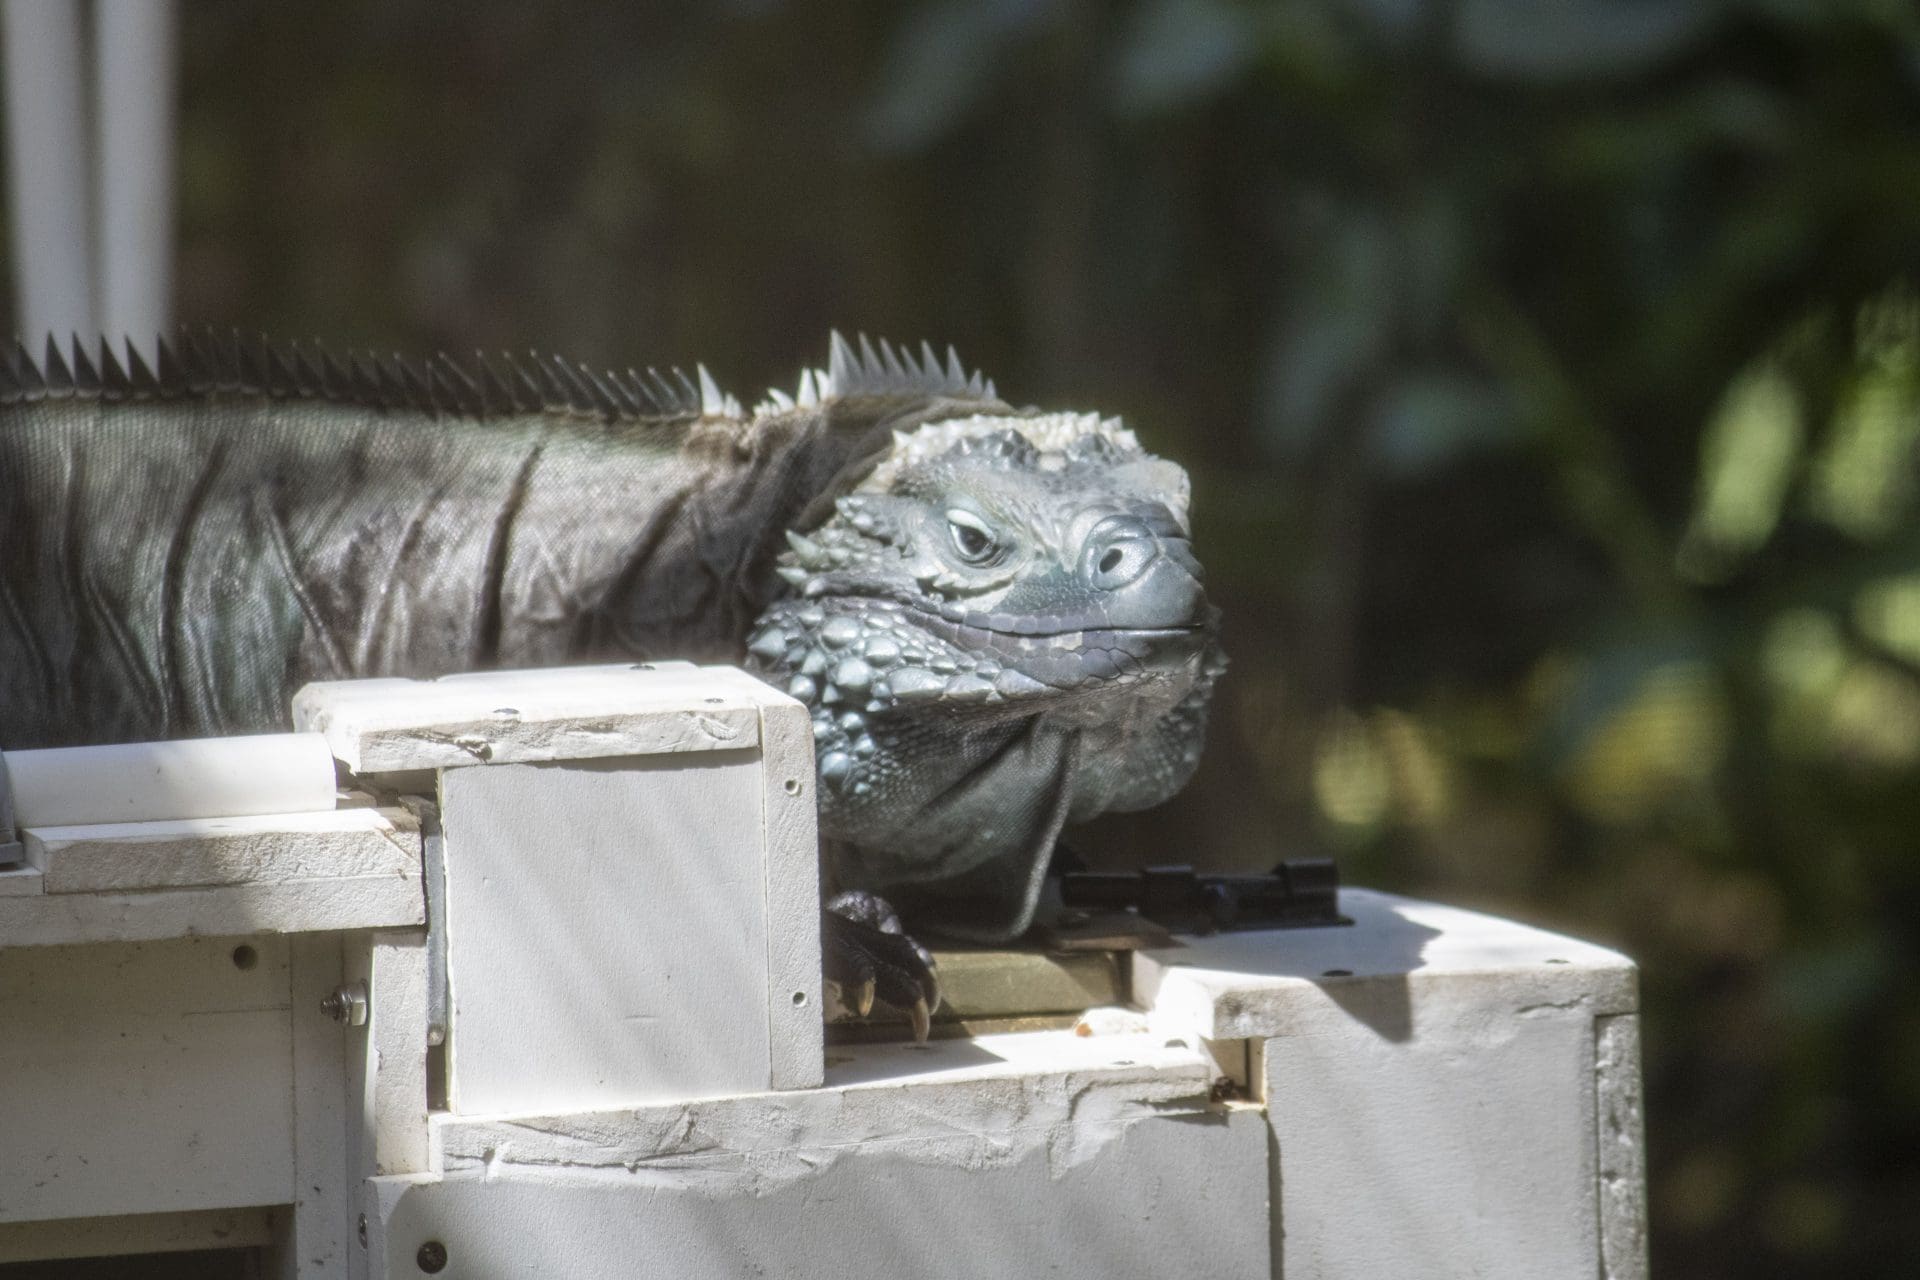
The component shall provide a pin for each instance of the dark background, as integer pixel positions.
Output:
(1548, 374)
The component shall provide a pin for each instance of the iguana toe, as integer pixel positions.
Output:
(869, 961)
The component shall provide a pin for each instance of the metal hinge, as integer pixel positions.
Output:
(433, 868)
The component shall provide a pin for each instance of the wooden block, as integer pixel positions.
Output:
(315, 1239)
(145, 1078)
(1293, 981)
(992, 1094)
(1046, 1153)
(123, 857)
(607, 939)
(792, 892)
(999, 984)
(1475, 1117)
(387, 1070)
(298, 906)
(1424, 1068)
(564, 713)
(20, 881)
(1622, 1154)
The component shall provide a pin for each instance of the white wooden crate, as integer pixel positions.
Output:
(632, 876)
(631, 914)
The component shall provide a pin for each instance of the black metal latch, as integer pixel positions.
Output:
(1299, 893)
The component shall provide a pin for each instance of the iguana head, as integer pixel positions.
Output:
(999, 626)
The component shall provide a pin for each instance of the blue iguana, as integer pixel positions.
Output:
(994, 614)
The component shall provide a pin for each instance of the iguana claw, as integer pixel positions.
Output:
(868, 961)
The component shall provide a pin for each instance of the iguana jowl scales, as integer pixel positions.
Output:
(994, 614)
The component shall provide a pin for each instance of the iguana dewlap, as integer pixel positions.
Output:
(994, 614)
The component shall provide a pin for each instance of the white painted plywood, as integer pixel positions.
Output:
(1293, 981)
(180, 778)
(145, 1078)
(1622, 1152)
(387, 1054)
(794, 1024)
(607, 938)
(562, 713)
(298, 906)
(337, 844)
(991, 1092)
(18, 880)
(1462, 1149)
(1046, 1154)
(316, 1240)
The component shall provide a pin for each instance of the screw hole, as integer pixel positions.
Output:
(793, 786)
(1559, 962)
(432, 1257)
(1336, 973)
(245, 957)
(642, 666)
(799, 999)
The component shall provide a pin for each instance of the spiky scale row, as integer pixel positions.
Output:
(202, 362)
(881, 369)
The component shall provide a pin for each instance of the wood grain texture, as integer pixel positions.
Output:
(792, 888)
(560, 713)
(315, 1238)
(338, 844)
(145, 1078)
(299, 906)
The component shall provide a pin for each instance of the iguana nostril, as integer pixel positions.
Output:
(1117, 551)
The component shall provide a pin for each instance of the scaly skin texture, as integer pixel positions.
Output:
(1000, 630)
(994, 614)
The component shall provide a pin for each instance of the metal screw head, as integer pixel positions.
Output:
(347, 1004)
(432, 1257)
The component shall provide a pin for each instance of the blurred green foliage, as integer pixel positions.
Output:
(1548, 373)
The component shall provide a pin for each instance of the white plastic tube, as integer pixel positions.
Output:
(159, 781)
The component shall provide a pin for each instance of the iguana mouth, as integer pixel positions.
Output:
(976, 629)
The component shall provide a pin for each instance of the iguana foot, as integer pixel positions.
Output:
(867, 958)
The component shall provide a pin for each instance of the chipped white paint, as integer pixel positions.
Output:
(565, 713)
(269, 773)
(1158, 1197)
(1622, 1149)
(947, 1100)
(1045, 1153)
(335, 845)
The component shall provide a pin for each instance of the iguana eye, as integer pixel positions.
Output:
(972, 539)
